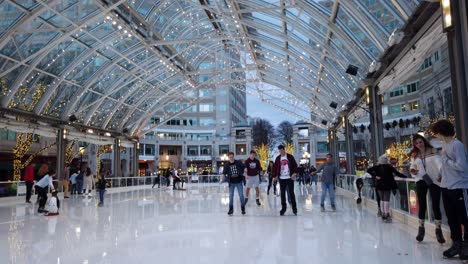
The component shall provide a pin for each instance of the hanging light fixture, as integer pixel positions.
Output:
(446, 15)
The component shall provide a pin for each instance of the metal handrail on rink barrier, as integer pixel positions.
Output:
(18, 188)
(404, 200)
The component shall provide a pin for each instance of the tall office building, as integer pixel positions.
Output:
(199, 135)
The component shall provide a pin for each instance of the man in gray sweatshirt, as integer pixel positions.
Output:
(328, 180)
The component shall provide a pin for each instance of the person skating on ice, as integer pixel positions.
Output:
(252, 173)
(384, 174)
(234, 170)
(285, 168)
(328, 181)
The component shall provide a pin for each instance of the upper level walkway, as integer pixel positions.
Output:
(162, 225)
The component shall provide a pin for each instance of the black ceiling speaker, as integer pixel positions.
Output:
(324, 122)
(125, 130)
(333, 105)
(352, 70)
(72, 118)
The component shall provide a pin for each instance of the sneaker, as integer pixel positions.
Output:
(453, 250)
(90, 195)
(439, 235)
(28, 201)
(322, 208)
(258, 202)
(283, 210)
(243, 210)
(333, 207)
(231, 211)
(421, 233)
(66, 197)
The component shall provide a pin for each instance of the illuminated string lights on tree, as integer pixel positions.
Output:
(399, 153)
(263, 154)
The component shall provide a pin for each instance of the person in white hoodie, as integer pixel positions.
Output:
(425, 168)
(454, 185)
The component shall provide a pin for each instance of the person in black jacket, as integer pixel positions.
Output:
(285, 168)
(234, 171)
(270, 178)
(101, 187)
(384, 174)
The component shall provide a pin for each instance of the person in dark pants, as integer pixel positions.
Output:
(454, 185)
(285, 168)
(29, 180)
(79, 181)
(425, 168)
(42, 188)
(101, 187)
(234, 171)
(270, 178)
(301, 173)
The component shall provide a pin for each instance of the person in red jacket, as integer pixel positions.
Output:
(285, 168)
(29, 180)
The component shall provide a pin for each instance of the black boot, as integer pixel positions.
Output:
(231, 211)
(258, 202)
(243, 210)
(283, 210)
(453, 250)
(439, 235)
(463, 251)
(295, 211)
(421, 233)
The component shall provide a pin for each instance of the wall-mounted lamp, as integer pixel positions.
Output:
(89, 131)
(65, 132)
(367, 95)
(343, 121)
(446, 15)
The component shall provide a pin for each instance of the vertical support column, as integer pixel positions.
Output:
(313, 148)
(458, 56)
(61, 145)
(135, 158)
(376, 123)
(332, 142)
(117, 160)
(349, 147)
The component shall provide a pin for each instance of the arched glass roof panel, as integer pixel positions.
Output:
(118, 62)
(355, 31)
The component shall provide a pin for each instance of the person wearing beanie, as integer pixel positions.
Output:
(384, 174)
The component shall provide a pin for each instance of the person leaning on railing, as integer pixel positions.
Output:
(454, 185)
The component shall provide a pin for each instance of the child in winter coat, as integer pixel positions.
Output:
(54, 204)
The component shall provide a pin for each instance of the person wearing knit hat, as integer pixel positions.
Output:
(384, 174)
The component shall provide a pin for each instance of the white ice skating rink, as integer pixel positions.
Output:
(166, 226)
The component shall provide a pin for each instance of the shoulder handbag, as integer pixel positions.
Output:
(427, 179)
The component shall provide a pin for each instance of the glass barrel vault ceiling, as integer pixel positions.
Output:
(117, 63)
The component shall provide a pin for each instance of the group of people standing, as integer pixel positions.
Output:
(442, 174)
(283, 170)
(81, 183)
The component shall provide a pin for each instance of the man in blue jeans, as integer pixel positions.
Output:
(234, 171)
(328, 179)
